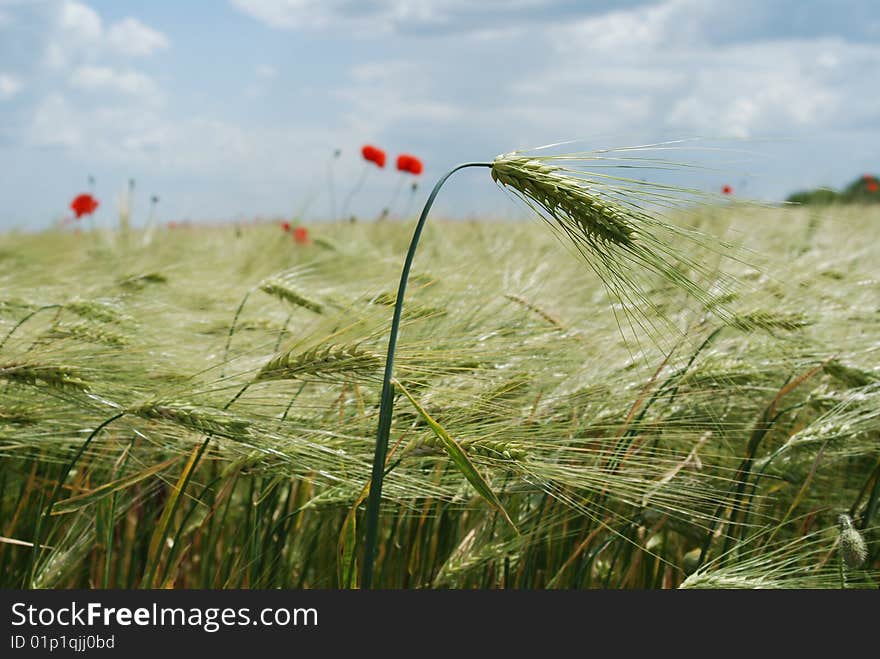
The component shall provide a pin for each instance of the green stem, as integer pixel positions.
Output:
(237, 396)
(148, 581)
(25, 319)
(386, 406)
(108, 557)
(290, 404)
(387, 210)
(282, 333)
(232, 328)
(354, 191)
(873, 500)
(44, 518)
(331, 188)
(412, 198)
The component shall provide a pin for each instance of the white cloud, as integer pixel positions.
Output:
(266, 72)
(385, 94)
(623, 33)
(103, 78)
(80, 21)
(10, 85)
(384, 16)
(53, 123)
(136, 135)
(281, 14)
(131, 37)
(78, 30)
(760, 90)
(382, 72)
(671, 68)
(661, 70)
(80, 34)
(111, 133)
(285, 13)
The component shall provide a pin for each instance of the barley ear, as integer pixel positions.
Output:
(853, 547)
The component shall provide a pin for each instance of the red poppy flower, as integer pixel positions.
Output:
(410, 164)
(374, 155)
(285, 226)
(301, 236)
(867, 178)
(872, 186)
(84, 204)
(727, 189)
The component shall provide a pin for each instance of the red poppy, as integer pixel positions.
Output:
(408, 163)
(727, 189)
(301, 236)
(84, 204)
(285, 227)
(374, 155)
(872, 186)
(867, 178)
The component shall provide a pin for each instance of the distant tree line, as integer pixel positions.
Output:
(863, 190)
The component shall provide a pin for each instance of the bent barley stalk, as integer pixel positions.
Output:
(386, 403)
(611, 224)
(607, 221)
(565, 200)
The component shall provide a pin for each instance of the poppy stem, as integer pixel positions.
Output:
(387, 210)
(354, 190)
(412, 197)
(331, 186)
(386, 406)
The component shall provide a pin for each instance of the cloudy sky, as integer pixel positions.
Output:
(233, 108)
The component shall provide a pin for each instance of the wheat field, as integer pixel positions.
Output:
(197, 407)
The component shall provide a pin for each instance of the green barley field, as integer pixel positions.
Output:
(197, 407)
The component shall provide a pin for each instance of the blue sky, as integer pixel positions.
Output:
(232, 109)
